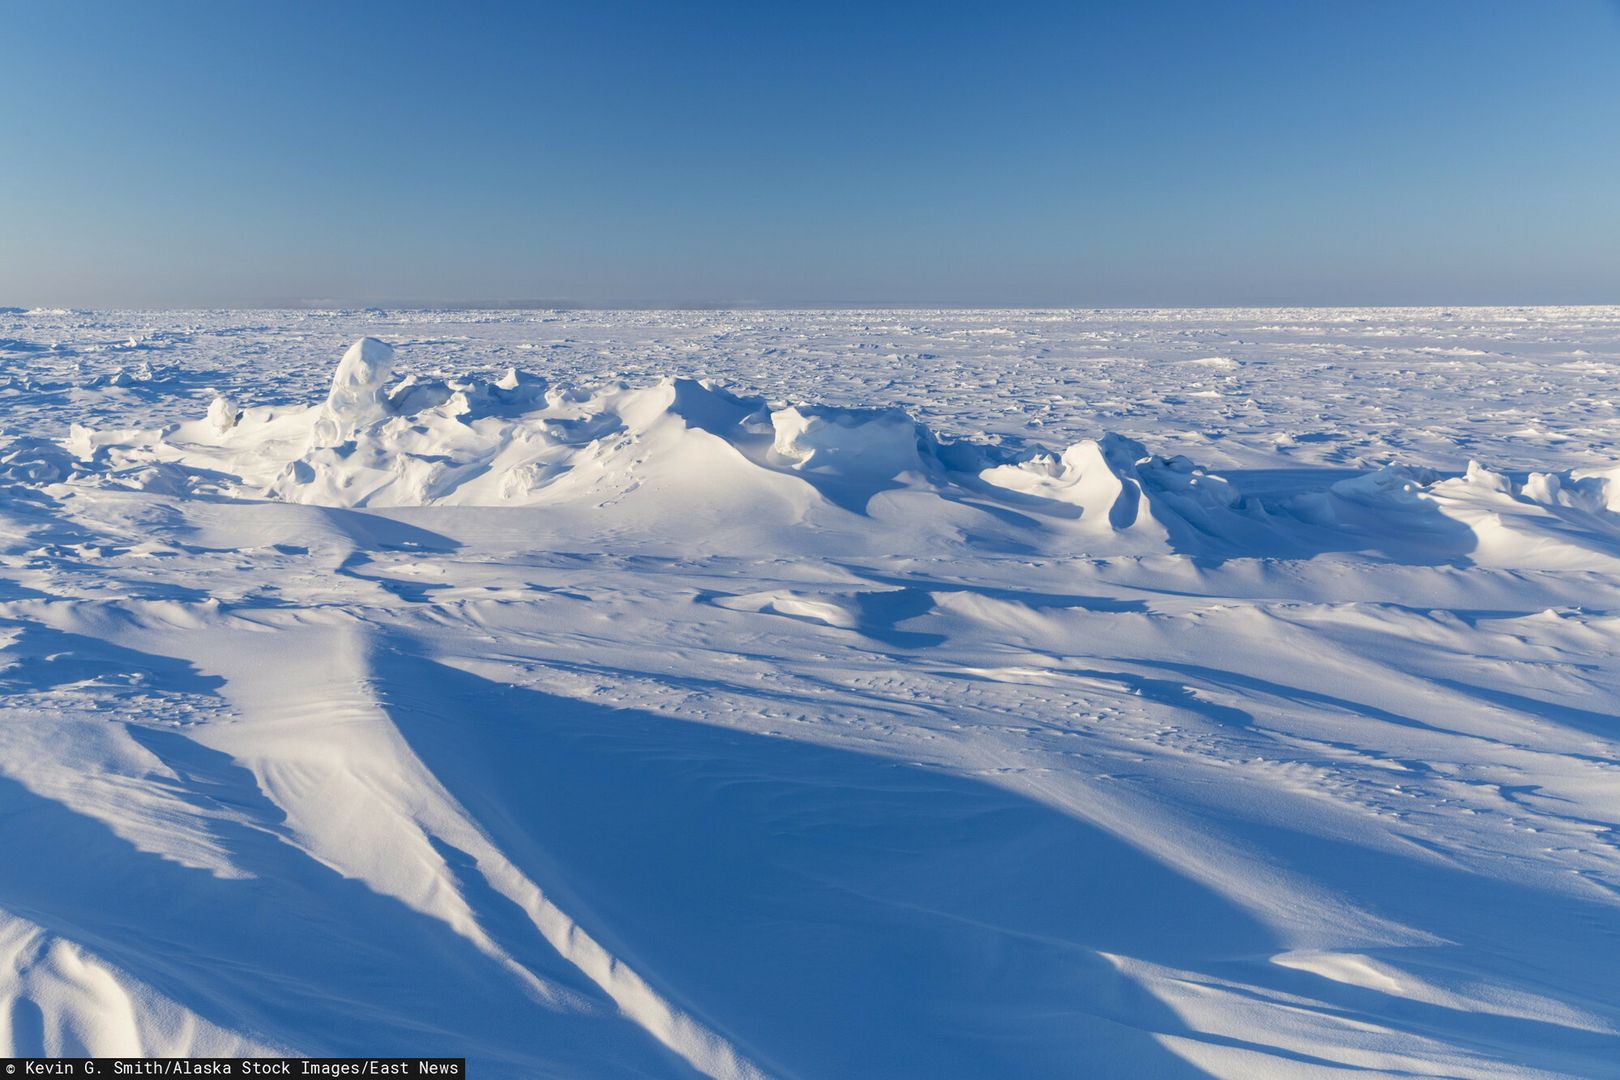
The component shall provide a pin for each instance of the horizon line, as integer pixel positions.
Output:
(334, 304)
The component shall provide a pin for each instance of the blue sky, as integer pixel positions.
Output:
(1078, 154)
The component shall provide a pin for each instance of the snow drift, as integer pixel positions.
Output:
(642, 728)
(685, 453)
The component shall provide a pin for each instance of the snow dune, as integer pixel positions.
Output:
(640, 726)
(683, 454)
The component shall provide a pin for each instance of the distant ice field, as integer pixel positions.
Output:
(815, 694)
(1529, 388)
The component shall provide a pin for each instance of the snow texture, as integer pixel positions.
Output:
(815, 694)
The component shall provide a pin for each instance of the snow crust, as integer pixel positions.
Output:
(814, 694)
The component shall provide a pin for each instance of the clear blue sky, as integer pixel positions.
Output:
(171, 153)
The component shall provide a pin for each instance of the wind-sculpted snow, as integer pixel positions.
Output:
(681, 453)
(677, 449)
(589, 717)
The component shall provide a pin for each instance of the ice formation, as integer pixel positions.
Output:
(976, 693)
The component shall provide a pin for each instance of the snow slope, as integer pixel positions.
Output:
(815, 694)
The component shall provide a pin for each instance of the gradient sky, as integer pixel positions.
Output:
(172, 153)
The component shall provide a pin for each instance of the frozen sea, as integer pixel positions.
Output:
(815, 694)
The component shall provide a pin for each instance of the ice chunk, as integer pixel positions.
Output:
(358, 397)
(222, 414)
(866, 442)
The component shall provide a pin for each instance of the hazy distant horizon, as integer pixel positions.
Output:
(554, 304)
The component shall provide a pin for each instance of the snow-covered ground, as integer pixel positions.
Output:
(815, 694)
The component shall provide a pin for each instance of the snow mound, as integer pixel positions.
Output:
(1564, 520)
(33, 462)
(691, 456)
(357, 399)
(68, 1002)
(677, 447)
(881, 443)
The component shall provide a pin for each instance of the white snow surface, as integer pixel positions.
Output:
(815, 694)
